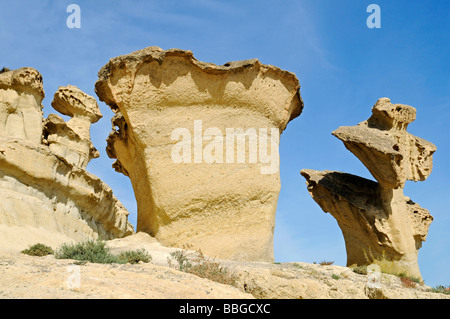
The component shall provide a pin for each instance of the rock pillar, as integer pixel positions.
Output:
(377, 220)
(199, 142)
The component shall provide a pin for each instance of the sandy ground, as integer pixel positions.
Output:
(23, 276)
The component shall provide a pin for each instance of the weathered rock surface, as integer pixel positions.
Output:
(44, 189)
(220, 201)
(376, 219)
(382, 144)
(72, 140)
(38, 189)
(21, 95)
(369, 230)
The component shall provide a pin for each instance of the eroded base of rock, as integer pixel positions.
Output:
(371, 231)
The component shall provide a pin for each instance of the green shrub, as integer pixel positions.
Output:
(334, 276)
(181, 257)
(92, 251)
(97, 252)
(38, 250)
(135, 256)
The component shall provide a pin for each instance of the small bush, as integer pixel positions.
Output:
(409, 281)
(413, 279)
(326, 263)
(197, 264)
(181, 257)
(334, 276)
(135, 256)
(5, 69)
(441, 289)
(38, 250)
(92, 251)
(213, 271)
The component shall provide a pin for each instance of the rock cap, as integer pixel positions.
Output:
(71, 101)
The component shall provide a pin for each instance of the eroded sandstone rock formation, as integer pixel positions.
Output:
(377, 219)
(21, 95)
(43, 181)
(72, 140)
(196, 189)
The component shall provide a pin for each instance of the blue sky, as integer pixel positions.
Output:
(343, 67)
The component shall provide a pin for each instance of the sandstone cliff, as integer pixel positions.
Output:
(44, 187)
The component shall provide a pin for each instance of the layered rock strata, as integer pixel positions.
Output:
(176, 134)
(43, 181)
(377, 220)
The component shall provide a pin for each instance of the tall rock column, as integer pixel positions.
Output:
(377, 220)
(199, 143)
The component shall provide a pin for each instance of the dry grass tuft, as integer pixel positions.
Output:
(197, 264)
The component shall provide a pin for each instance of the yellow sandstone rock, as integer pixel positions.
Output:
(199, 143)
(378, 222)
(72, 140)
(45, 191)
(21, 95)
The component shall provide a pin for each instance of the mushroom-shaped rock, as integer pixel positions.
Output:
(72, 140)
(21, 95)
(71, 101)
(382, 144)
(376, 219)
(199, 143)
